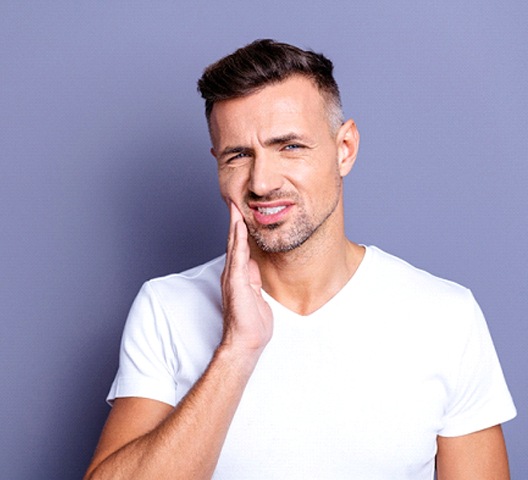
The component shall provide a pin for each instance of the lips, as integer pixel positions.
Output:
(270, 213)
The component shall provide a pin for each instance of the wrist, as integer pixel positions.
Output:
(241, 360)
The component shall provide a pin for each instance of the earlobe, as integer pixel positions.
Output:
(348, 146)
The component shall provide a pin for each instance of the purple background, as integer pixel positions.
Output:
(106, 178)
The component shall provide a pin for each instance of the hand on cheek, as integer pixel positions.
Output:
(248, 320)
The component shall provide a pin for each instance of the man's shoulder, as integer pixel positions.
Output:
(210, 270)
(201, 281)
(396, 287)
(399, 274)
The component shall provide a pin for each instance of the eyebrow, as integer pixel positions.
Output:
(288, 137)
(279, 140)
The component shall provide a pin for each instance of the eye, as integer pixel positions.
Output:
(293, 146)
(238, 156)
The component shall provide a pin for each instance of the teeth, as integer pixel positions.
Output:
(271, 210)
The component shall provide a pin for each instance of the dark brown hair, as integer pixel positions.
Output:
(265, 62)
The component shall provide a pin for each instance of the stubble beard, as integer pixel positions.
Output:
(270, 239)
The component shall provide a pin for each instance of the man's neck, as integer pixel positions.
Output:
(306, 278)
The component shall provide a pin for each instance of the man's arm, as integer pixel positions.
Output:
(148, 439)
(480, 455)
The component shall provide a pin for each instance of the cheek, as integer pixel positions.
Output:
(330, 177)
(320, 187)
(316, 180)
(231, 188)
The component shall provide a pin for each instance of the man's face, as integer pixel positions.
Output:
(278, 162)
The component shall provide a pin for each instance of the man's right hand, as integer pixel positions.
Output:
(146, 439)
(248, 320)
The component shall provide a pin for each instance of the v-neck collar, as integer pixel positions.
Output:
(356, 277)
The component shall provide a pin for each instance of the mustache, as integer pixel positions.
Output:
(270, 197)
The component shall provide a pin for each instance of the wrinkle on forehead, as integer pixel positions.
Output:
(274, 111)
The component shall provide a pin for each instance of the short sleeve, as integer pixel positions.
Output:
(147, 357)
(481, 398)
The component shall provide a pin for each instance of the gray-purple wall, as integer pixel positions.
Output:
(106, 178)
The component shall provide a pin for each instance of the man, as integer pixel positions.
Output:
(299, 355)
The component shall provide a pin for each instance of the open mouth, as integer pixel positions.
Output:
(270, 214)
(270, 210)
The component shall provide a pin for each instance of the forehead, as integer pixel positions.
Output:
(294, 103)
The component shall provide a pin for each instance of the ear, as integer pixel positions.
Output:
(347, 141)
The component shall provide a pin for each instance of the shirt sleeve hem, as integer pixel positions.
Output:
(151, 389)
(477, 423)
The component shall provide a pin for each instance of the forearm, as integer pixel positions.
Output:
(188, 442)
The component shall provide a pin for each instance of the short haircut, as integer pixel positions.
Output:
(266, 62)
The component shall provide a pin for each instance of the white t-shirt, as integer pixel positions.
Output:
(359, 389)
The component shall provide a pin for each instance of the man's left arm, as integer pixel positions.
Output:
(480, 455)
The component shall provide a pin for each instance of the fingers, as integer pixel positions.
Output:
(247, 317)
(240, 261)
(237, 241)
(234, 217)
(237, 255)
(235, 213)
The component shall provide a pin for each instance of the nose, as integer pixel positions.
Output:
(265, 176)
